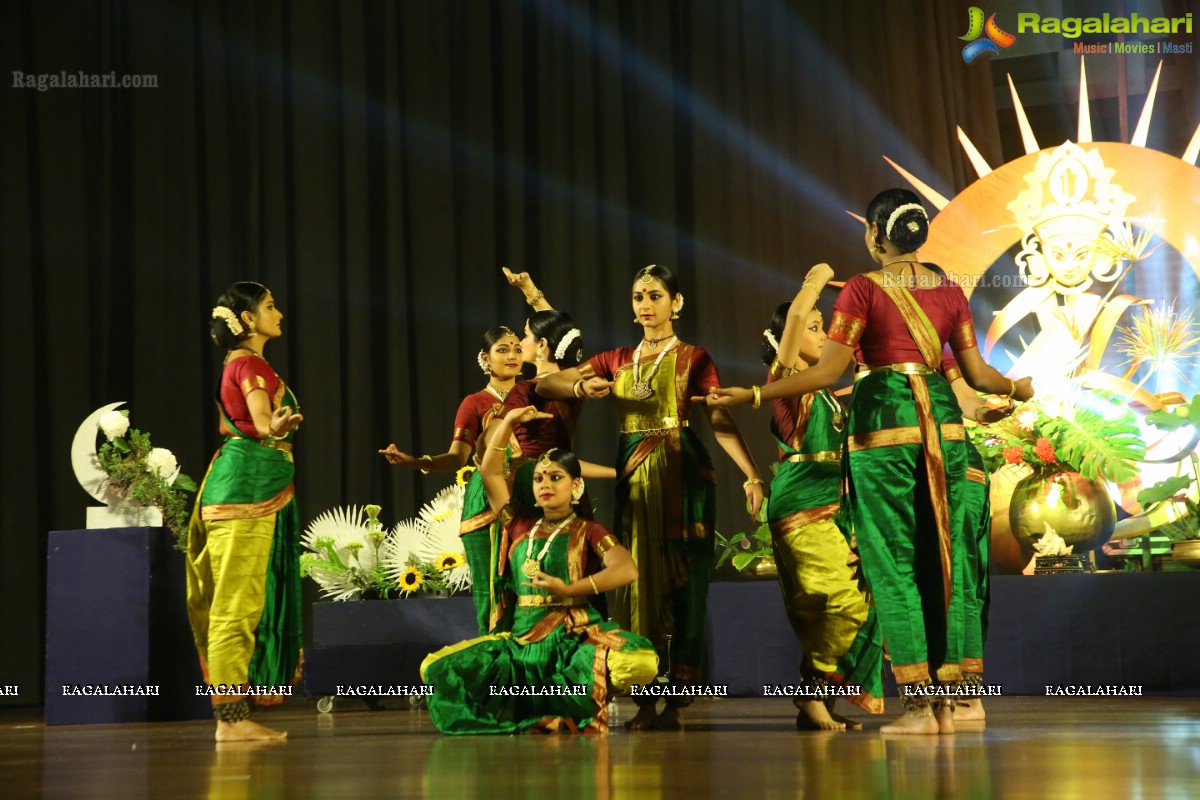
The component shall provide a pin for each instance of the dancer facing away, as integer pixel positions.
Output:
(500, 360)
(557, 668)
(666, 494)
(243, 561)
(906, 443)
(828, 610)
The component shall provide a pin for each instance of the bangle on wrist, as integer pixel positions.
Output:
(497, 447)
(751, 482)
(534, 298)
(427, 459)
(592, 581)
(577, 388)
(979, 408)
(1012, 387)
(757, 397)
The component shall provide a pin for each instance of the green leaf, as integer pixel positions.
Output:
(1194, 411)
(184, 482)
(1163, 490)
(120, 445)
(741, 560)
(1167, 420)
(1098, 446)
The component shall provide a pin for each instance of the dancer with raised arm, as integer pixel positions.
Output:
(666, 488)
(825, 603)
(557, 668)
(907, 454)
(243, 560)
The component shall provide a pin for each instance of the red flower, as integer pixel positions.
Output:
(1044, 449)
(1012, 454)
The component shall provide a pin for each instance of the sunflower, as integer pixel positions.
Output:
(410, 580)
(449, 561)
(463, 475)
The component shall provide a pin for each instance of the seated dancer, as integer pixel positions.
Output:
(500, 360)
(560, 663)
(907, 453)
(828, 609)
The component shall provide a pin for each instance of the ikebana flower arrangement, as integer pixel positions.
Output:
(352, 558)
(140, 473)
(1089, 433)
(1178, 491)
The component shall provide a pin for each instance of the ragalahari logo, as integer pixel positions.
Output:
(995, 37)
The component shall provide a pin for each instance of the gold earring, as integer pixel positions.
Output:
(674, 314)
(541, 353)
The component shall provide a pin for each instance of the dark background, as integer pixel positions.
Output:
(376, 163)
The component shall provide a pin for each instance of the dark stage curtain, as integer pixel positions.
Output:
(375, 164)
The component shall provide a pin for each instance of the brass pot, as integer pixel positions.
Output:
(764, 568)
(1187, 553)
(1079, 510)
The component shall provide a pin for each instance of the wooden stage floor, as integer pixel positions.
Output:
(1059, 747)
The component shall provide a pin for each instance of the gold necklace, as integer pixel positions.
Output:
(532, 566)
(501, 393)
(654, 342)
(642, 389)
(839, 421)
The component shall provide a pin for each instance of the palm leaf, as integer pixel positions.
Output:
(1097, 446)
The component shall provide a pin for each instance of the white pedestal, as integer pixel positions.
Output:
(124, 517)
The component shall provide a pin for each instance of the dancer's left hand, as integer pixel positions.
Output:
(554, 585)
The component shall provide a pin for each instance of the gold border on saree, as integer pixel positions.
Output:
(549, 600)
(824, 455)
(637, 424)
(904, 368)
(951, 432)
(976, 475)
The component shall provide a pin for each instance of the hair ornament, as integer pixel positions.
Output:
(231, 320)
(901, 210)
(482, 361)
(647, 276)
(771, 340)
(545, 460)
(565, 342)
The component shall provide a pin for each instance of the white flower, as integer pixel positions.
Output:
(114, 424)
(1026, 418)
(162, 461)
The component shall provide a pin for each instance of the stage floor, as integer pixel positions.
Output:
(1057, 747)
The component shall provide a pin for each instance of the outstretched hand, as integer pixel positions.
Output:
(519, 416)
(521, 280)
(819, 275)
(1023, 389)
(718, 397)
(397, 458)
(596, 388)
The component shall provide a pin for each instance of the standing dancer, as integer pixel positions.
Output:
(243, 561)
(666, 493)
(906, 444)
(561, 659)
(500, 360)
(828, 610)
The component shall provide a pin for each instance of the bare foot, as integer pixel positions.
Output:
(851, 724)
(969, 711)
(944, 714)
(671, 719)
(247, 731)
(814, 716)
(643, 720)
(919, 723)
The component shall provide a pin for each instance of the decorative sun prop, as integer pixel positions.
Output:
(1078, 213)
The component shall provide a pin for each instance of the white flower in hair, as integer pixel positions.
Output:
(901, 211)
(771, 340)
(565, 342)
(482, 361)
(231, 320)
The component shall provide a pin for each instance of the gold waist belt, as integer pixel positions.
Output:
(544, 600)
(274, 444)
(824, 455)
(652, 424)
(906, 368)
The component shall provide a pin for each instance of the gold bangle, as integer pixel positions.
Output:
(813, 285)
(593, 582)
(497, 447)
(976, 414)
(577, 388)
(428, 459)
(533, 301)
(751, 482)
(757, 396)
(1012, 387)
